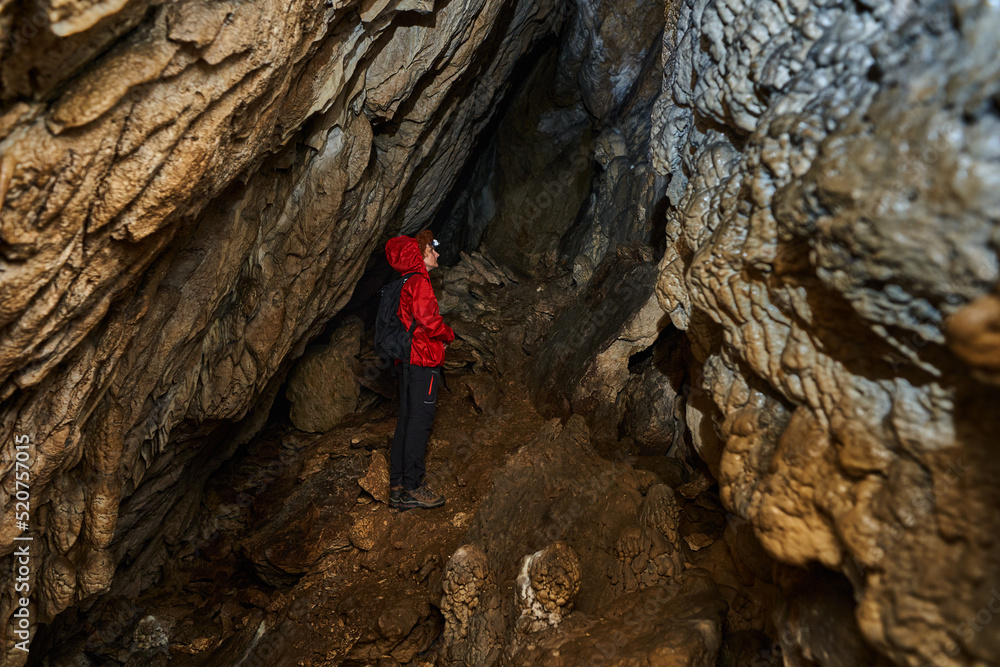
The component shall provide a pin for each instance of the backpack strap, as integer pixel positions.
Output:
(413, 324)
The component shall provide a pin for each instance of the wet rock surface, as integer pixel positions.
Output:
(824, 227)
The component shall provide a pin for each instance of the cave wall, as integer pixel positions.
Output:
(189, 191)
(549, 186)
(831, 252)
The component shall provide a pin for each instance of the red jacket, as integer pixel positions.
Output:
(417, 299)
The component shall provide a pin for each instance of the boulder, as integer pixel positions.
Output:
(322, 387)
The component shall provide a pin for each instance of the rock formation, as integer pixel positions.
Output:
(546, 587)
(834, 226)
(314, 408)
(609, 582)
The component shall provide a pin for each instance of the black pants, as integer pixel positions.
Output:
(418, 389)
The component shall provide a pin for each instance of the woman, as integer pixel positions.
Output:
(421, 377)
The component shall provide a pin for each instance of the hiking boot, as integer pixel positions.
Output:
(423, 498)
(396, 496)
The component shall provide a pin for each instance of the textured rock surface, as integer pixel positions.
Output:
(568, 177)
(829, 179)
(670, 624)
(376, 479)
(350, 580)
(322, 387)
(573, 555)
(190, 191)
(833, 172)
(546, 587)
(470, 605)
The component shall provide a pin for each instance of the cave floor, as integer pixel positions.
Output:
(292, 562)
(381, 600)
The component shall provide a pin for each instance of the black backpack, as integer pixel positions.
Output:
(392, 341)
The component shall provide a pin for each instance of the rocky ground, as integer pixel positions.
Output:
(554, 547)
(294, 558)
(297, 560)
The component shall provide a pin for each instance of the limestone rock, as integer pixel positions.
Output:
(542, 148)
(189, 192)
(843, 337)
(470, 604)
(546, 587)
(57, 586)
(96, 572)
(588, 326)
(376, 479)
(149, 633)
(370, 524)
(322, 387)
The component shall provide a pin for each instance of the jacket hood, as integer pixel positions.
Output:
(403, 254)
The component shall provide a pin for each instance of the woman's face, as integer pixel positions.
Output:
(430, 257)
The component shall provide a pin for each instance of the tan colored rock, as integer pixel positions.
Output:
(101, 514)
(698, 541)
(322, 387)
(376, 479)
(65, 517)
(546, 587)
(469, 606)
(190, 190)
(835, 319)
(370, 524)
(56, 586)
(973, 332)
(96, 572)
